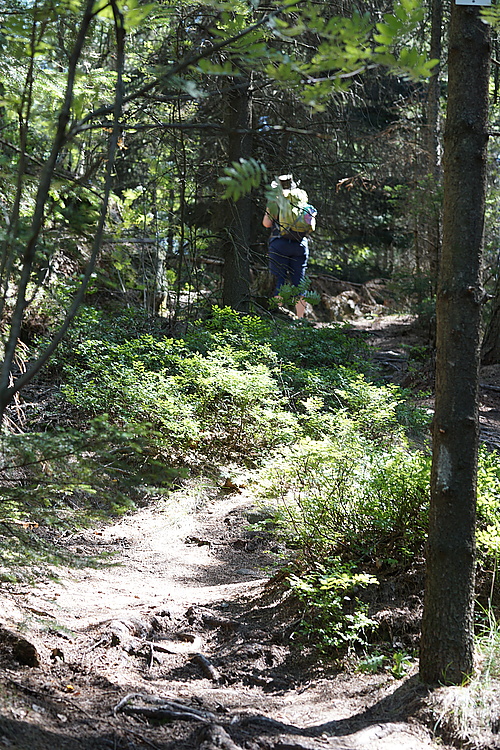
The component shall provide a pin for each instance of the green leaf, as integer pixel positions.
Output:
(241, 177)
(210, 68)
(135, 14)
(103, 9)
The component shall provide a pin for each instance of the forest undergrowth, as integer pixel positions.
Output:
(337, 458)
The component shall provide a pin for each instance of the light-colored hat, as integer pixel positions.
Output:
(284, 178)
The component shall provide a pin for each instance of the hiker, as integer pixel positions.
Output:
(291, 218)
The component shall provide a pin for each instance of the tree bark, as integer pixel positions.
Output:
(446, 651)
(236, 245)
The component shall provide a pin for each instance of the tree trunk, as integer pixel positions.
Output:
(8, 390)
(238, 224)
(447, 629)
(433, 140)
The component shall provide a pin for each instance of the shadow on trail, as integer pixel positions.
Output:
(26, 553)
(387, 716)
(398, 707)
(20, 735)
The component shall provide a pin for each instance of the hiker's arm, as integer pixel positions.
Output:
(267, 220)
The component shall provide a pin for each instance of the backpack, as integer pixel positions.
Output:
(296, 214)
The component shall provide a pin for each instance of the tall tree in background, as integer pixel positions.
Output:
(447, 627)
(18, 260)
(236, 247)
(433, 135)
(100, 75)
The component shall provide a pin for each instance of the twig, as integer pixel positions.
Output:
(24, 688)
(173, 647)
(131, 696)
(164, 714)
(207, 667)
(490, 387)
(102, 641)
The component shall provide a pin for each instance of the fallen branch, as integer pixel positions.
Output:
(104, 641)
(176, 647)
(132, 696)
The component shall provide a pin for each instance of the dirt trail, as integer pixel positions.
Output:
(185, 578)
(173, 603)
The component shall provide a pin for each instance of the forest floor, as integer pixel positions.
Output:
(169, 630)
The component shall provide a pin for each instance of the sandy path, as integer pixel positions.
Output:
(154, 564)
(157, 565)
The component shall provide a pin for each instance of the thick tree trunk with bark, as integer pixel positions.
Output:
(447, 627)
(238, 222)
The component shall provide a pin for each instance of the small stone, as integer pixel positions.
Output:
(248, 572)
(257, 515)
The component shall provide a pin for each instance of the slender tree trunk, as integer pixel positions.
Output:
(447, 628)
(8, 390)
(433, 139)
(236, 247)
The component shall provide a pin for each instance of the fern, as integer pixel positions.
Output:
(241, 177)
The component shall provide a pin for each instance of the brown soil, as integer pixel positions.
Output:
(169, 632)
(180, 585)
(401, 350)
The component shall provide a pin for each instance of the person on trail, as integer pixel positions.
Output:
(288, 247)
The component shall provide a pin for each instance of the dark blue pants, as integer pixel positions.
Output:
(288, 261)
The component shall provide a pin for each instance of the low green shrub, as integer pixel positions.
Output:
(332, 616)
(301, 383)
(382, 412)
(309, 347)
(47, 476)
(113, 326)
(227, 327)
(488, 505)
(346, 493)
(214, 402)
(133, 396)
(238, 403)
